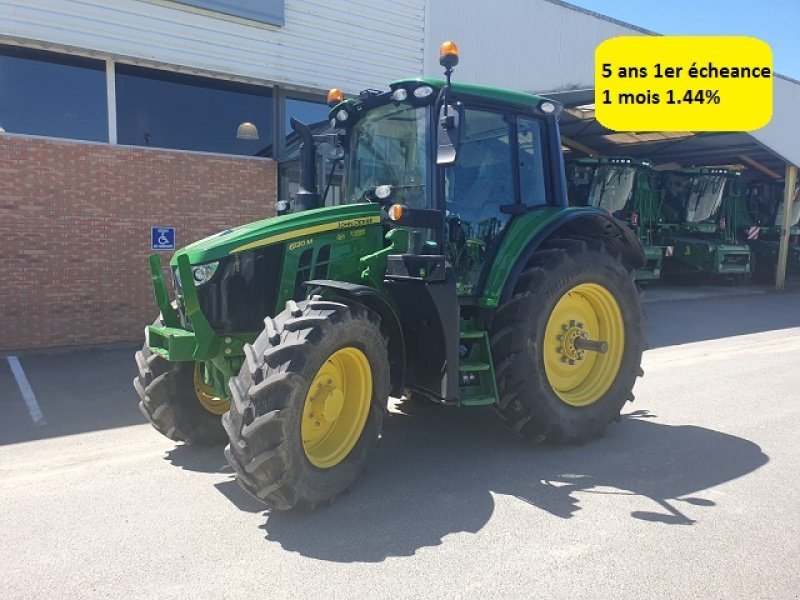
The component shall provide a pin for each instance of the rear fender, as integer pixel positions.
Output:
(587, 223)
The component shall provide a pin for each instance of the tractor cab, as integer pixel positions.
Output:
(452, 182)
(627, 188)
(699, 210)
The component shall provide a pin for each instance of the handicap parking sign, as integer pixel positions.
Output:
(162, 238)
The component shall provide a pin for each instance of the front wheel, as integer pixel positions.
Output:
(568, 344)
(308, 403)
(175, 399)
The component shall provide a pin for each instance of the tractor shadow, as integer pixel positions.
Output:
(210, 459)
(436, 470)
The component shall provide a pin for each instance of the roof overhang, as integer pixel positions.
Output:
(583, 135)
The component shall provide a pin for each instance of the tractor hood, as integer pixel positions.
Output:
(278, 229)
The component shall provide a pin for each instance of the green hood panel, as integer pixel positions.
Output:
(278, 229)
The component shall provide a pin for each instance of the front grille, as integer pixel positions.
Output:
(243, 290)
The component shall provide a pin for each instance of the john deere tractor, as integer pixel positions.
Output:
(698, 228)
(627, 188)
(759, 221)
(452, 270)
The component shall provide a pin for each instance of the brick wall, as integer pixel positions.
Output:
(75, 223)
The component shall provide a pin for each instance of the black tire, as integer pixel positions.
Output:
(167, 399)
(528, 403)
(266, 449)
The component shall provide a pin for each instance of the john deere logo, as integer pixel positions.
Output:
(358, 222)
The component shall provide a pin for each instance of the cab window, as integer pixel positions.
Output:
(531, 162)
(476, 186)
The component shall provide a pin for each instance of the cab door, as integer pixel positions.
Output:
(499, 172)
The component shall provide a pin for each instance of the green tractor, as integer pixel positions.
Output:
(627, 188)
(759, 221)
(699, 214)
(453, 270)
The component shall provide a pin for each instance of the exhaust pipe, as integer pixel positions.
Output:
(307, 197)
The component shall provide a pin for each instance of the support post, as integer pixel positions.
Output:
(111, 101)
(783, 253)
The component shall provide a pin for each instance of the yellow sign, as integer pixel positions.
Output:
(683, 83)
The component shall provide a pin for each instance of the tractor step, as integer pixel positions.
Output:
(472, 334)
(477, 386)
(472, 367)
(479, 401)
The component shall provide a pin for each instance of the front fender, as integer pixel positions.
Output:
(390, 322)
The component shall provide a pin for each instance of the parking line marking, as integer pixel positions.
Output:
(27, 391)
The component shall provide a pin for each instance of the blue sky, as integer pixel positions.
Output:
(777, 22)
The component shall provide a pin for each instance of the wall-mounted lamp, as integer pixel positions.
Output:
(247, 131)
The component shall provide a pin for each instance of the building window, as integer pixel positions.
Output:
(184, 112)
(305, 111)
(50, 94)
(263, 11)
(315, 115)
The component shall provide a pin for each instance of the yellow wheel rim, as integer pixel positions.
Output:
(336, 407)
(586, 314)
(205, 394)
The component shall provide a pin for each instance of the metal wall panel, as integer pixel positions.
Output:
(527, 45)
(782, 134)
(350, 44)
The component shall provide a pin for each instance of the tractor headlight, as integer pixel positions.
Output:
(547, 107)
(201, 274)
(399, 95)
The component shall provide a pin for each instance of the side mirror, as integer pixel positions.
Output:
(448, 137)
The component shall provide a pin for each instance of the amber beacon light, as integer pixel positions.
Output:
(448, 54)
(334, 97)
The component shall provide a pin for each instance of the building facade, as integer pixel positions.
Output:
(119, 116)
(116, 117)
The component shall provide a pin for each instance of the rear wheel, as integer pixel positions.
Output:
(308, 403)
(568, 345)
(176, 400)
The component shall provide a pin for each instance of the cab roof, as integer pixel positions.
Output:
(493, 94)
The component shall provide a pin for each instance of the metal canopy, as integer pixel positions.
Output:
(583, 136)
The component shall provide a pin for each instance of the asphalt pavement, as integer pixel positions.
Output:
(692, 495)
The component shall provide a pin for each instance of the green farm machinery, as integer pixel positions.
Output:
(699, 212)
(626, 188)
(759, 222)
(452, 270)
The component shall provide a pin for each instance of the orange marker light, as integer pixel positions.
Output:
(448, 54)
(334, 97)
(396, 212)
